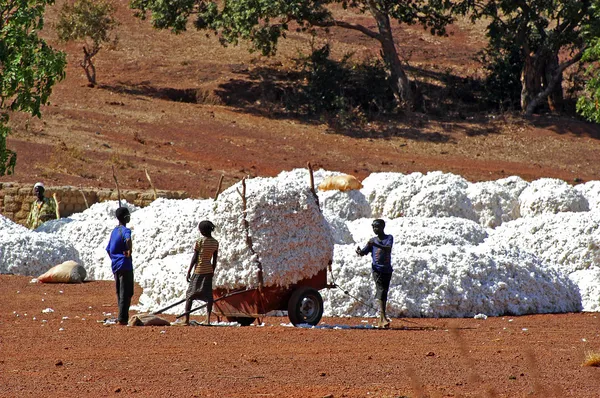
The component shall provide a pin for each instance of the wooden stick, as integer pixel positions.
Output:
(117, 184)
(84, 199)
(248, 237)
(312, 184)
(150, 181)
(219, 187)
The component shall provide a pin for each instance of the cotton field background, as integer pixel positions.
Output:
(497, 247)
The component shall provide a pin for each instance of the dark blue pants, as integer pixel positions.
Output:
(124, 284)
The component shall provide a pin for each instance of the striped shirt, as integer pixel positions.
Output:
(205, 247)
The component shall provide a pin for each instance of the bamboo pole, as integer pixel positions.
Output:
(219, 187)
(248, 237)
(312, 184)
(150, 181)
(117, 184)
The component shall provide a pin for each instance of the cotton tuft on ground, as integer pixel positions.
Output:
(498, 247)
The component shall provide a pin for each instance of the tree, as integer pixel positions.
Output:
(90, 20)
(551, 36)
(29, 67)
(263, 22)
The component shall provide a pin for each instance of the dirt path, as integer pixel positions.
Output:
(68, 353)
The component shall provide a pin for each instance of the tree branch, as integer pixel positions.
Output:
(348, 25)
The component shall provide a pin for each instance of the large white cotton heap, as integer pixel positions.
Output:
(549, 195)
(569, 240)
(495, 202)
(422, 231)
(452, 281)
(290, 237)
(26, 252)
(89, 232)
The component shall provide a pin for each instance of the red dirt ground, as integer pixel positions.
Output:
(527, 356)
(131, 122)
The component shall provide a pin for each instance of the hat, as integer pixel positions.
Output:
(39, 184)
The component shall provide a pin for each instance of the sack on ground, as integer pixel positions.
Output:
(67, 272)
(147, 320)
(342, 183)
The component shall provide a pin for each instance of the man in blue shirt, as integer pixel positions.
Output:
(380, 248)
(119, 250)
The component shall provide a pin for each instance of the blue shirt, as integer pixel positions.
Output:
(116, 247)
(381, 258)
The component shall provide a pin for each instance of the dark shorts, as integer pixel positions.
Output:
(200, 288)
(382, 285)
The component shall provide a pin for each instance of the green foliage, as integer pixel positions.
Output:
(29, 68)
(588, 105)
(89, 20)
(541, 30)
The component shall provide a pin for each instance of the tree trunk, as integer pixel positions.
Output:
(555, 99)
(541, 81)
(88, 65)
(531, 82)
(399, 80)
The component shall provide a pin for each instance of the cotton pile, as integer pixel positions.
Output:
(453, 281)
(88, 232)
(497, 247)
(28, 253)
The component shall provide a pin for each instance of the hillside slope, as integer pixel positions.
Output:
(189, 110)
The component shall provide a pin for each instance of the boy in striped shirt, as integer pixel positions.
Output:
(204, 262)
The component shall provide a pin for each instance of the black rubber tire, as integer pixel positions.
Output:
(305, 306)
(242, 320)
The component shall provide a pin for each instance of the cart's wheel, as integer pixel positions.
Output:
(242, 320)
(305, 306)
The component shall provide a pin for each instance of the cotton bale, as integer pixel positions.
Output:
(342, 182)
(290, 237)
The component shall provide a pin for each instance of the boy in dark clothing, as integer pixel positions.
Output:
(119, 249)
(204, 262)
(380, 248)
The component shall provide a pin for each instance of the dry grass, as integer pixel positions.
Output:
(592, 359)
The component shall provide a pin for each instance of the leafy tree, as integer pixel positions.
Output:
(90, 20)
(263, 22)
(542, 29)
(29, 68)
(588, 104)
